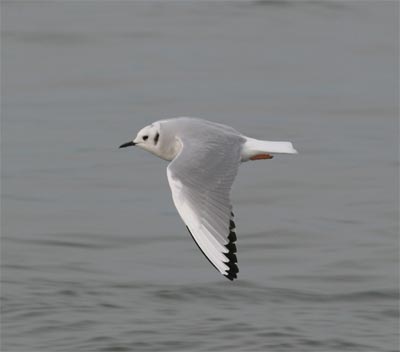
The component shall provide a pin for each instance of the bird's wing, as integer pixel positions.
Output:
(200, 177)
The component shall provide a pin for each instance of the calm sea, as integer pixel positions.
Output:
(94, 255)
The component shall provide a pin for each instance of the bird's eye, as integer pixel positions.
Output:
(145, 138)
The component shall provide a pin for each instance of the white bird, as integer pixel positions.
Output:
(205, 157)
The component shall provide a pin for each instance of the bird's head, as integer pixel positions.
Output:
(147, 138)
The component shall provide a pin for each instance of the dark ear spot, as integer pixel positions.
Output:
(156, 138)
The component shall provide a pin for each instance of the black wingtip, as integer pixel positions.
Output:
(232, 236)
(231, 246)
(231, 274)
(231, 277)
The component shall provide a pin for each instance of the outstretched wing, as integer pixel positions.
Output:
(200, 177)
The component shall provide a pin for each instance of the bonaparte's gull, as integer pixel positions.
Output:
(205, 157)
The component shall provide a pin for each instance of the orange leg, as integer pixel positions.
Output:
(261, 156)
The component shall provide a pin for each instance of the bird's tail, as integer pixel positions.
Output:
(270, 146)
(253, 147)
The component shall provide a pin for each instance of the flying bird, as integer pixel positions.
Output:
(204, 160)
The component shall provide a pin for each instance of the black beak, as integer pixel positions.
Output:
(128, 144)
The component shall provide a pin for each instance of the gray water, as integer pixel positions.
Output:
(94, 254)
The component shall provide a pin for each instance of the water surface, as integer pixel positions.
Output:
(94, 255)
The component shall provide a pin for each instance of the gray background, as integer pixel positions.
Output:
(95, 256)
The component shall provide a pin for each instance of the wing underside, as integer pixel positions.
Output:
(200, 178)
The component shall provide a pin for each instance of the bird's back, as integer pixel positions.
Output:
(201, 131)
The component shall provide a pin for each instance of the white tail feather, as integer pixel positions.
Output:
(252, 147)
